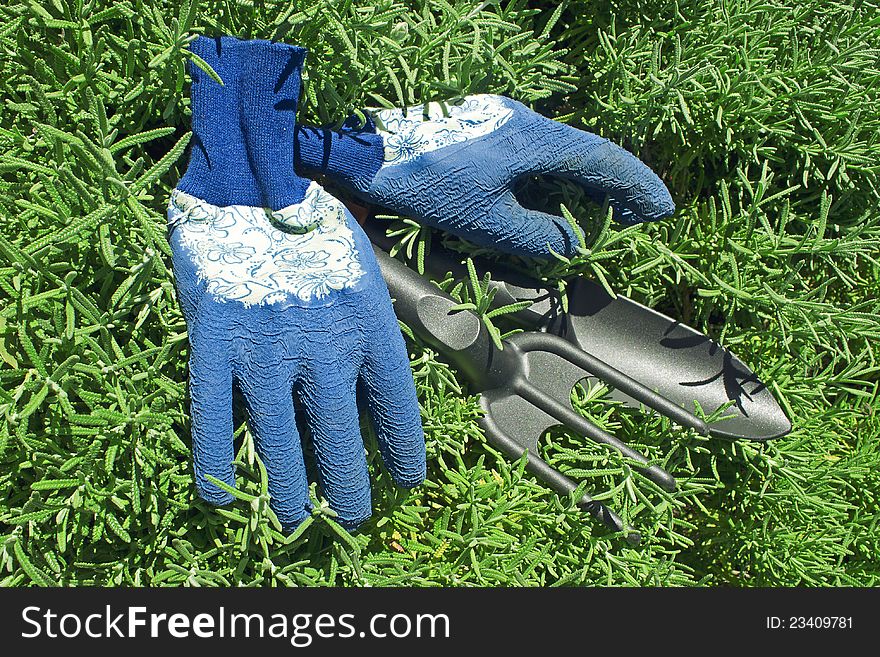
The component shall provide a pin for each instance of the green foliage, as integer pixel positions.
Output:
(763, 118)
(477, 298)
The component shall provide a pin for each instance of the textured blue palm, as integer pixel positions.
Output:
(321, 353)
(468, 188)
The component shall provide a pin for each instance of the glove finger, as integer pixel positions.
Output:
(636, 193)
(268, 394)
(394, 407)
(328, 396)
(210, 389)
(526, 232)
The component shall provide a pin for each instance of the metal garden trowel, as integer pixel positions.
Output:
(525, 388)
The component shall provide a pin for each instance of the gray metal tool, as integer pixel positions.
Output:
(648, 359)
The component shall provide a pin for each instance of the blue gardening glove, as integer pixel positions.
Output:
(282, 296)
(457, 170)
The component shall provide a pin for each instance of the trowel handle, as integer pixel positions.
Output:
(427, 310)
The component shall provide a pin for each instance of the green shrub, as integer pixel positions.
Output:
(762, 118)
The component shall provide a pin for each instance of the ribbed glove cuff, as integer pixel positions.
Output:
(242, 148)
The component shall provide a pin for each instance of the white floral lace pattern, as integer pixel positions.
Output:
(255, 256)
(410, 132)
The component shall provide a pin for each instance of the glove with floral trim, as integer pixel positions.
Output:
(455, 167)
(282, 296)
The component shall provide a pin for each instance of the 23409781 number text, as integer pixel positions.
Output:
(810, 623)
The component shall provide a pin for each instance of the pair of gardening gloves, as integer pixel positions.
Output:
(279, 286)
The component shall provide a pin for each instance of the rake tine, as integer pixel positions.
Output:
(612, 376)
(555, 479)
(573, 420)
